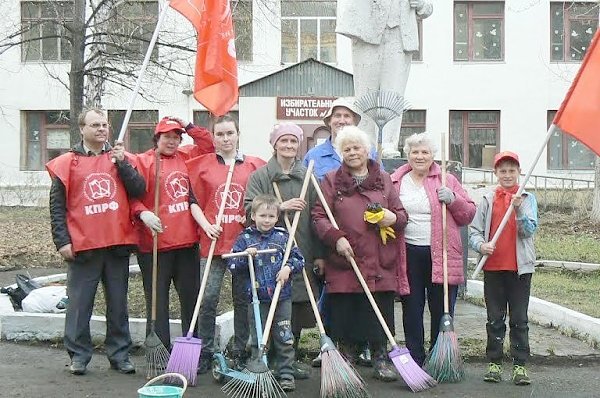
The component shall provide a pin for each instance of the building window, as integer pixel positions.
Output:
(131, 27)
(479, 31)
(572, 26)
(46, 137)
(418, 55)
(242, 25)
(140, 129)
(474, 136)
(44, 30)
(204, 119)
(308, 31)
(566, 153)
(413, 121)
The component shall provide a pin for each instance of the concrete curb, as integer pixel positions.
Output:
(545, 313)
(24, 326)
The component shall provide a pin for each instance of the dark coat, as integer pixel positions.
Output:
(382, 266)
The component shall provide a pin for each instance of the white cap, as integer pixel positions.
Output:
(345, 102)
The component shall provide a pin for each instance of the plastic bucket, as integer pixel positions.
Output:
(160, 391)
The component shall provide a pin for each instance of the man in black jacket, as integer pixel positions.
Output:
(92, 230)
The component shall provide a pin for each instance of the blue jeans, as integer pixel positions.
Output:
(208, 309)
(418, 266)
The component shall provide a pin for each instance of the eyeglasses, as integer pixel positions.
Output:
(96, 126)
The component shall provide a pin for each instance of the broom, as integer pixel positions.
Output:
(185, 355)
(157, 354)
(413, 375)
(444, 361)
(339, 379)
(265, 385)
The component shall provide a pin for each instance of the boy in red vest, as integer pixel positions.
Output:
(93, 232)
(510, 265)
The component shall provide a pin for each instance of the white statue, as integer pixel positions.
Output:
(384, 35)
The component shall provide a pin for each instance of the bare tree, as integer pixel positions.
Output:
(105, 42)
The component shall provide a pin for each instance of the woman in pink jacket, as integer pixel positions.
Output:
(350, 191)
(420, 187)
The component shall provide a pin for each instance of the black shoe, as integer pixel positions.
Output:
(125, 367)
(205, 363)
(364, 358)
(301, 370)
(78, 368)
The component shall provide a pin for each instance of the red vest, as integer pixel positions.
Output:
(208, 177)
(179, 227)
(97, 204)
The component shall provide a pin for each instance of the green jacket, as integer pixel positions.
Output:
(261, 182)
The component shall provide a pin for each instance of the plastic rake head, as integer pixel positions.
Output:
(382, 106)
(264, 384)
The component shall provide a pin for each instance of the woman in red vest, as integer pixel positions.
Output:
(207, 175)
(177, 238)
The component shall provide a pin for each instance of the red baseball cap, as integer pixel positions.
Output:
(506, 155)
(166, 124)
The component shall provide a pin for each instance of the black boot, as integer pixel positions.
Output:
(383, 369)
(350, 352)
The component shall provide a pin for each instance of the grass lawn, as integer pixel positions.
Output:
(575, 290)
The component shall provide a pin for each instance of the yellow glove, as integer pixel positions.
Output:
(373, 217)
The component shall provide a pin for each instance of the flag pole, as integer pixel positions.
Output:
(509, 211)
(138, 83)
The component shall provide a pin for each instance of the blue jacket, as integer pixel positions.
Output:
(266, 266)
(326, 158)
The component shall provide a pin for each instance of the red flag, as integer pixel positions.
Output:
(215, 78)
(579, 114)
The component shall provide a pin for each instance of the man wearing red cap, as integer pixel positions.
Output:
(92, 230)
(510, 265)
(178, 259)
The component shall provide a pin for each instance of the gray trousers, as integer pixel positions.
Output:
(111, 267)
(281, 341)
(208, 309)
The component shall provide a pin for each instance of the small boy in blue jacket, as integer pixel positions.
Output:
(269, 270)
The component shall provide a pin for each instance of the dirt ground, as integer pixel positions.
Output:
(31, 371)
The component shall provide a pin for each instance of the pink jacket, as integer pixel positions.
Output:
(460, 212)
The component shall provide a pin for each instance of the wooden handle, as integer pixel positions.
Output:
(245, 253)
(286, 255)
(311, 296)
(445, 231)
(384, 325)
(154, 233)
(211, 251)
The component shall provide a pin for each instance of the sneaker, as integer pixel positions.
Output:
(494, 373)
(520, 377)
(301, 370)
(287, 384)
(364, 359)
(316, 363)
(78, 368)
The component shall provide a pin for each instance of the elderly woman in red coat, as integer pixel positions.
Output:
(356, 187)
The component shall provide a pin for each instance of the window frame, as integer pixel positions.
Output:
(241, 18)
(137, 48)
(318, 19)
(45, 128)
(565, 140)
(470, 20)
(566, 23)
(422, 126)
(132, 125)
(63, 42)
(467, 127)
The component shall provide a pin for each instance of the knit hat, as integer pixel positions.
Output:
(285, 128)
(167, 124)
